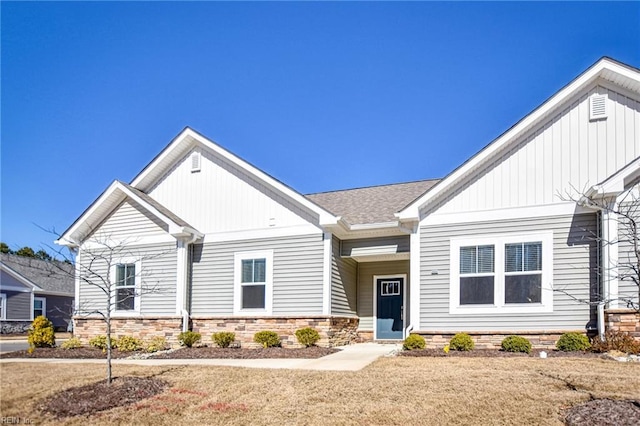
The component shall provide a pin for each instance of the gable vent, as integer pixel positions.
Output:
(597, 107)
(195, 162)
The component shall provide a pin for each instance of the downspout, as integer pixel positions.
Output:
(185, 313)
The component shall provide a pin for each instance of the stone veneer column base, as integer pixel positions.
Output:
(143, 328)
(493, 339)
(624, 320)
(334, 330)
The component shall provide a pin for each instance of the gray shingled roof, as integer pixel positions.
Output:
(51, 276)
(374, 204)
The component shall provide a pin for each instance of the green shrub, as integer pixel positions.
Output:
(223, 338)
(571, 342)
(267, 338)
(461, 342)
(73, 343)
(413, 341)
(41, 333)
(307, 336)
(157, 343)
(616, 341)
(129, 344)
(100, 342)
(189, 338)
(516, 344)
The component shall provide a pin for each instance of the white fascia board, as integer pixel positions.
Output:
(53, 293)
(582, 81)
(22, 279)
(186, 140)
(617, 183)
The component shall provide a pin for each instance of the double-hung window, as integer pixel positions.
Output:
(126, 286)
(253, 282)
(506, 273)
(39, 307)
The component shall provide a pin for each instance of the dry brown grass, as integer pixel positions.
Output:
(392, 391)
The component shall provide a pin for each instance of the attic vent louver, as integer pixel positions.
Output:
(195, 162)
(597, 107)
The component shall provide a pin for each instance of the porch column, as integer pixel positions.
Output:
(182, 273)
(609, 245)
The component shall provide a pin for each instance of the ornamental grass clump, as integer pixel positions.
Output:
(189, 338)
(307, 336)
(156, 344)
(616, 341)
(41, 334)
(73, 343)
(461, 342)
(516, 344)
(573, 342)
(267, 338)
(100, 342)
(223, 338)
(414, 342)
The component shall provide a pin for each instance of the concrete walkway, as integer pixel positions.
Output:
(350, 358)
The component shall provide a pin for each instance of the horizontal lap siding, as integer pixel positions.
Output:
(158, 278)
(574, 258)
(297, 274)
(627, 258)
(18, 305)
(366, 271)
(344, 275)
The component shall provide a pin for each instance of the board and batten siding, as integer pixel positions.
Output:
(366, 272)
(344, 276)
(574, 271)
(129, 223)
(567, 150)
(297, 274)
(157, 276)
(222, 198)
(18, 305)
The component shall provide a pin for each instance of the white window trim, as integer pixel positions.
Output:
(44, 306)
(136, 301)
(499, 306)
(237, 287)
(3, 305)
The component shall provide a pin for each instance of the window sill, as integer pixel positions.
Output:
(498, 310)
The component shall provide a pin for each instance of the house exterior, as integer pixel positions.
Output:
(32, 287)
(499, 246)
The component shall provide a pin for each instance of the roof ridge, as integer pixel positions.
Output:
(373, 186)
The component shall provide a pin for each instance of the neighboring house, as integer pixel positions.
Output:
(491, 249)
(32, 287)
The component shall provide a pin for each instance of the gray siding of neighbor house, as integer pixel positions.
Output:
(18, 305)
(366, 271)
(297, 274)
(59, 309)
(574, 272)
(344, 287)
(158, 278)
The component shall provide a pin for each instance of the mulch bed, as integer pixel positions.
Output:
(78, 353)
(604, 412)
(493, 353)
(100, 396)
(242, 353)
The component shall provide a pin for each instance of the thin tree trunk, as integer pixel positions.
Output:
(108, 320)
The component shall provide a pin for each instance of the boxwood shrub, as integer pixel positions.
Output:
(267, 338)
(189, 338)
(461, 342)
(572, 342)
(307, 336)
(223, 338)
(516, 344)
(413, 342)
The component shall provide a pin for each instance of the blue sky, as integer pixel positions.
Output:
(322, 96)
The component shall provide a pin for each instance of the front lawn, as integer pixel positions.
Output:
(396, 390)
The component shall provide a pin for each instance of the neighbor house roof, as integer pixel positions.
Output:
(44, 276)
(374, 204)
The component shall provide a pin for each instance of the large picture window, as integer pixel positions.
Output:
(253, 279)
(502, 273)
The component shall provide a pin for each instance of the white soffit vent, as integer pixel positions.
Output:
(597, 107)
(195, 161)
